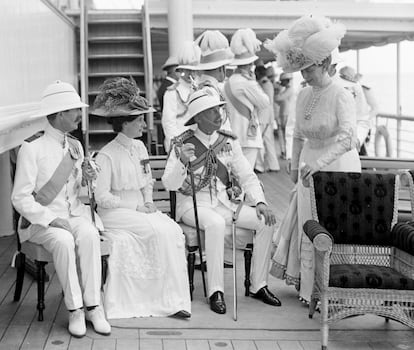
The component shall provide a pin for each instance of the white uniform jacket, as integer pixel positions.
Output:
(250, 94)
(36, 163)
(233, 158)
(175, 111)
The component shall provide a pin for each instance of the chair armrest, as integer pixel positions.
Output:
(403, 237)
(322, 240)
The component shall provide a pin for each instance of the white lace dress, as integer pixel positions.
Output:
(324, 137)
(147, 266)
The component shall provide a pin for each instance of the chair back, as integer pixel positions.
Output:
(356, 208)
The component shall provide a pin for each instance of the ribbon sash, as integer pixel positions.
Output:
(50, 189)
(201, 152)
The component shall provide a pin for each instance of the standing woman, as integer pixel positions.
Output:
(147, 266)
(325, 131)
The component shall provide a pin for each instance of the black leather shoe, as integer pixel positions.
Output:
(265, 295)
(217, 303)
(182, 314)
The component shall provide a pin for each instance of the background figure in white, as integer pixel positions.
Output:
(215, 56)
(348, 81)
(325, 129)
(244, 95)
(174, 113)
(147, 266)
(285, 99)
(267, 157)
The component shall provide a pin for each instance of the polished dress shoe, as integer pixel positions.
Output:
(181, 314)
(265, 295)
(217, 303)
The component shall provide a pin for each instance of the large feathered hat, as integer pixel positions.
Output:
(170, 62)
(308, 41)
(119, 97)
(189, 55)
(244, 45)
(215, 50)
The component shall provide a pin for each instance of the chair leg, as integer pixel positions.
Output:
(190, 268)
(41, 287)
(247, 267)
(20, 263)
(324, 325)
(104, 270)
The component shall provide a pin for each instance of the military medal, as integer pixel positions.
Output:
(145, 166)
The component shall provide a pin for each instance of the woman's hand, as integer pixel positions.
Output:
(306, 172)
(147, 208)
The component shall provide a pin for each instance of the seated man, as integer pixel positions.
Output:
(48, 177)
(216, 156)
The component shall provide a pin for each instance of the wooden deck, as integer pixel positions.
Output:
(259, 327)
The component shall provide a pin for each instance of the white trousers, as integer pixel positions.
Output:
(251, 155)
(83, 243)
(267, 157)
(214, 221)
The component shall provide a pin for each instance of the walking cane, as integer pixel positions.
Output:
(233, 234)
(190, 170)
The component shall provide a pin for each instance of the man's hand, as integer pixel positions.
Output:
(187, 152)
(150, 207)
(263, 209)
(60, 223)
(89, 170)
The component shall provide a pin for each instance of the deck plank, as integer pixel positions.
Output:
(150, 344)
(127, 344)
(244, 345)
(267, 345)
(220, 344)
(104, 344)
(84, 343)
(174, 344)
(197, 344)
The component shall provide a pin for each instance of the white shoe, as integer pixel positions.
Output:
(77, 326)
(97, 317)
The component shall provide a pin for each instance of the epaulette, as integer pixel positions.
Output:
(227, 133)
(173, 86)
(35, 136)
(180, 139)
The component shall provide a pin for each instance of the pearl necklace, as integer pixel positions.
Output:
(316, 96)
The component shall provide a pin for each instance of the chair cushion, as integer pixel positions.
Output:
(368, 276)
(403, 236)
(243, 236)
(35, 252)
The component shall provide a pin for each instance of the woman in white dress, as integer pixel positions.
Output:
(324, 137)
(147, 266)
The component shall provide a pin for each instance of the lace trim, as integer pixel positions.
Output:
(314, 208)
(279, 271)
(109, 203)
(396, 192)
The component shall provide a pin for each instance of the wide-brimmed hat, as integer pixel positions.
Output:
(215, 50)
(119, 97)
(170, 62)
(308, 41)
(348, 73)
(57, 97)
(335, 57)
(244, 46)
(286, 76)
(188, 56)
(200, 101)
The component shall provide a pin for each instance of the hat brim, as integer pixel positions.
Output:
(186, 66)
(297, 69)
(43, 112)
(243, 61)
(191, 121)
(119, 112)
(212, 65)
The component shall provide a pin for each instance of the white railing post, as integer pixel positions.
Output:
(84, 69)
(398, 99)
(148, 70)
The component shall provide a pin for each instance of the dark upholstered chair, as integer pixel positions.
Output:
(166, 202)
(364, 260)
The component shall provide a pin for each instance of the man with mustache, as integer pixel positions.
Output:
(50, 171)
(216, 158)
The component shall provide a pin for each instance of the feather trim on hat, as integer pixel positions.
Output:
(189, 53)
(211, 41)
(244, 40)
(309, 40)
(116, 92)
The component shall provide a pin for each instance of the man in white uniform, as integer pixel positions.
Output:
(244, 95)
(175, 110)
(49, 173)
(216, 158)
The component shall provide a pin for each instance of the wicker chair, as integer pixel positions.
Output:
(364, 261)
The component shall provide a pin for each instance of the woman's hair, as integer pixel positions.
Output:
(117, 122)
